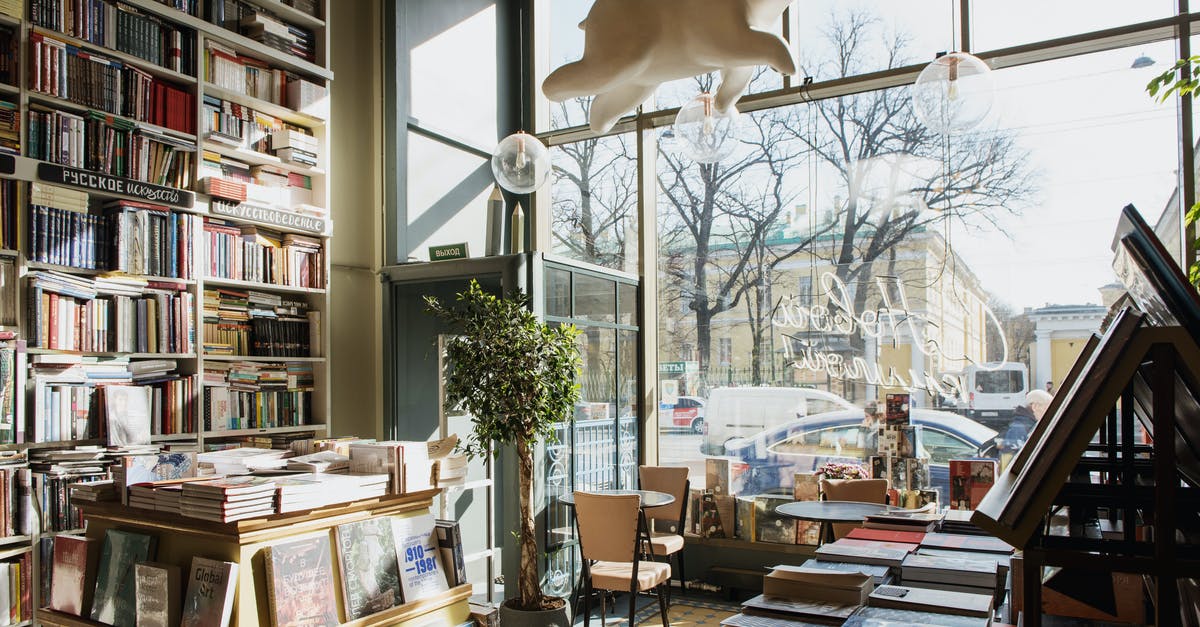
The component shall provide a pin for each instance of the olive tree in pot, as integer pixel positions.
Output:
(517, 377)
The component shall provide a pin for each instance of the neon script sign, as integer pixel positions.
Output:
(892, 319)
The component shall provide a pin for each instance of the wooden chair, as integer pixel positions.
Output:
(611, 529)
(861, 490)
(672, 480)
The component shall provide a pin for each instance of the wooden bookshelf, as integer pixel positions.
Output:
(191, 82)
(181, 538)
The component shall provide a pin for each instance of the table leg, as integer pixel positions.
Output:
(826, 532)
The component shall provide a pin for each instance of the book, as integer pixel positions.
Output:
(299, 579)
(229, 486)
(869, 616)
(128, 414)
(211, 588)
(886, 535)
(113, 600)
(815, 611)
(926, 600)
(877, 573)
(450, 544)
(789, 582)
(979, 544)
(421, 569)
(944, 569)
(369, 568)
(157, 589)
(842, 552)
(750, 620)
(970, 481)
(74, 565)
(770, 526)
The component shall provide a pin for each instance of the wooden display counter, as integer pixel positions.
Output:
(181, 538)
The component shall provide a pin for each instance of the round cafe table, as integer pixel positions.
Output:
(650, 498)
(829, 512)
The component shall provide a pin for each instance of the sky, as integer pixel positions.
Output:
(1095, 139)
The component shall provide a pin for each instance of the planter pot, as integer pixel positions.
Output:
(510, 617)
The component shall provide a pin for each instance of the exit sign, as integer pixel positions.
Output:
(447, 252)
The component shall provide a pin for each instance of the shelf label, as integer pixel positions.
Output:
(63, 175)
(272, 217)
(8, 164)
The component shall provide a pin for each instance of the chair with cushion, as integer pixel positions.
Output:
(861, 490)
(672, 480)
(610, 530)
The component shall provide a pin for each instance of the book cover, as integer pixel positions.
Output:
(924, 599)
(896, 409)
(74, 564)
(128, 414)
(877, 573)
(979, 544)
(211, 587)
(113, 600)
(367, 561)
(421, 574)
(798, 609)
(160, 467)
(770, 526)
(717, 475)
(710, 518)
(868, 616)
(157, 589)
(300, 589)
(839, 551)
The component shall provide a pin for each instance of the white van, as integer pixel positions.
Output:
(743, 412)
(994, 390)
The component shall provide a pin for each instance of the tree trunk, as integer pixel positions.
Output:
(528, 585)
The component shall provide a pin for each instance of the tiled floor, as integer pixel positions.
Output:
(686, 611)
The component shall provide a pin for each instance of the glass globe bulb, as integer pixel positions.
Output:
(954, 94)
(520, 163)
(705, 134)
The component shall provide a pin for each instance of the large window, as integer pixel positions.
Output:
(844, 251)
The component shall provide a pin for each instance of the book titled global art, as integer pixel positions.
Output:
(211, 587)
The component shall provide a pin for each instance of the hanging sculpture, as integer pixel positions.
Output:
(633, 46)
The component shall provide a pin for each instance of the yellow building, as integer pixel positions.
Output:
(910, 322)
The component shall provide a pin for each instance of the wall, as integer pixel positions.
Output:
(355, 321)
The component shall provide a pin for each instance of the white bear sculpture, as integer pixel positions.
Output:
(633, 46)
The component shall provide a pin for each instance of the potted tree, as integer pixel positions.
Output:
(517, 377)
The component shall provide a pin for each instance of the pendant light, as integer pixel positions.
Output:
(705, 134)
(954, 93)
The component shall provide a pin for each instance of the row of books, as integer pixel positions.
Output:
(250, 20)
(53, 491)
(17, 513)
(16, 586)
(249, 253)
(248, 76)
(10, 126)
(157, 322)
(254, 395)
(9, 42)
(232, 124)
(93, 80)
(8, 214)
(279, 35)
(130, 237)
(11, 367)
(119, 27)
(8, 291)
(191, 7)
(100, 143)
(260, 337)
(71, 407)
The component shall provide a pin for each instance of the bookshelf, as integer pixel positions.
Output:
(99, 92)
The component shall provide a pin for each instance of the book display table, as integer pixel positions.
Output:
(244, 541)
(829, 512)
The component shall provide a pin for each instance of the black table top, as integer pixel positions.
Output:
(650, 498)
(832, 511)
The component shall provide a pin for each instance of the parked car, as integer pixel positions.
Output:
(687, 413)
(805, 444)
(741, 412)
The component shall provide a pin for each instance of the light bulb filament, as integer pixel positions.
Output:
(522, 159)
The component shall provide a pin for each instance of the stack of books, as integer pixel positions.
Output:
(958, 521)
(253, 395)
(249, 253)
(241, 461)
(10, 118)
(927, 600)
(309, 491)
(274, 33)
(94, 492)
(293, 146)
(854, 551)
(879, 574)
(229, 498)
(944, 571)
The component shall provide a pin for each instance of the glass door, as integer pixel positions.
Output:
(599, 449)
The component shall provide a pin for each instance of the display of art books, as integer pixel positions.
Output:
(299, 575)
(368, 565)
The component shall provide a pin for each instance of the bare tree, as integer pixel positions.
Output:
(894, 179)
(1018, 330)
(595, 194)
